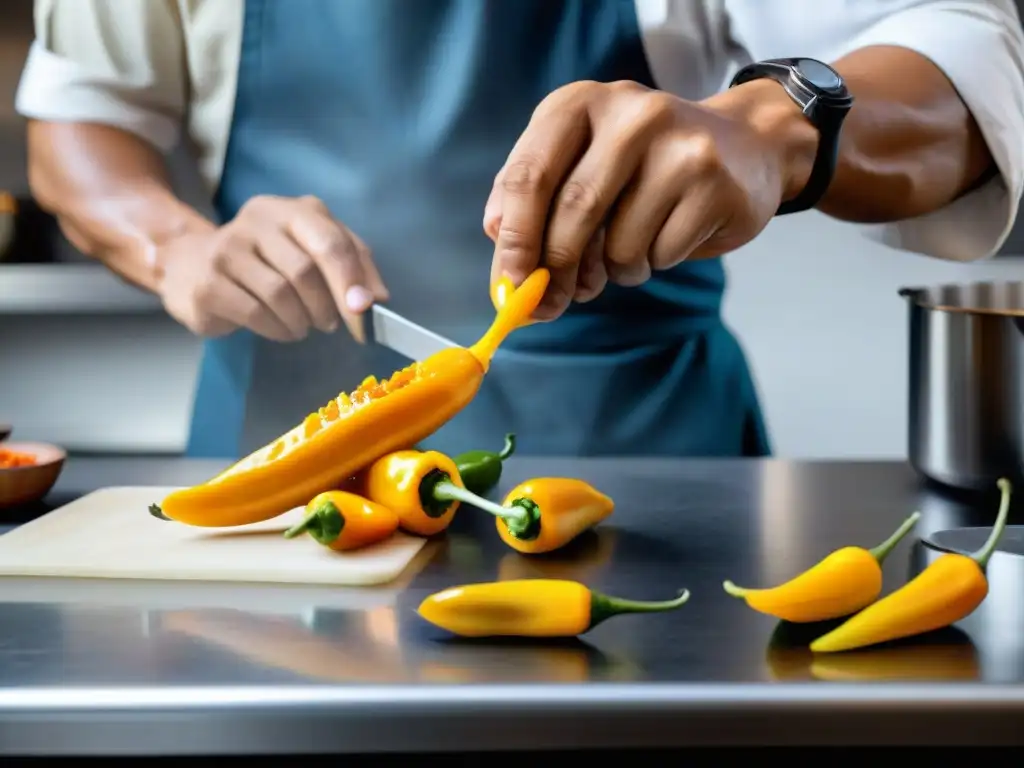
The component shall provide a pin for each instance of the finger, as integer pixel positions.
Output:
(583, 202)
(299, 268)
(533, 172)
(233, 303)
(374, 282)
(592, 276)
(684, 231)
(638, 217)
(492, 209)
(337, 255)
(261, 280)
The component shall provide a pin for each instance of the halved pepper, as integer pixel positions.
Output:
(351, 431)
(344, 521)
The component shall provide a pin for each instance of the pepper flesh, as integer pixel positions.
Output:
(352, 431)
(343, 521)
(529, 608)
(841, 584)
(408, 482)
(481, 470)
(948, 590)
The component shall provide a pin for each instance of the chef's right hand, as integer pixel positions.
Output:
(279, 268)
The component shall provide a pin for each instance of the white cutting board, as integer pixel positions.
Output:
(109, 534)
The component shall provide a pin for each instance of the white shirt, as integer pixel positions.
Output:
(164, 68)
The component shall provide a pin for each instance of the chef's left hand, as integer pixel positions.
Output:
(611, 181)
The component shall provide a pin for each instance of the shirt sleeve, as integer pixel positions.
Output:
(109, 62)
(979, 46)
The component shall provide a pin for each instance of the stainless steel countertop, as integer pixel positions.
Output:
(99, 667)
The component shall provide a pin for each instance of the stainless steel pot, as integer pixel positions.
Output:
(966, 394)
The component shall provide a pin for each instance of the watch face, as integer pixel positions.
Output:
(819, 75)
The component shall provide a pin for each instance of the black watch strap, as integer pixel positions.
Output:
(822, 96)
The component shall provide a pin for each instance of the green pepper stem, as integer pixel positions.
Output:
(324, 524)
(448, 491)
(981, 557)
(155, 511)
(603, 607)
(882, 550)
(510, 447)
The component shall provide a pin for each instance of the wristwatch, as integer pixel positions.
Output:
(822, 96)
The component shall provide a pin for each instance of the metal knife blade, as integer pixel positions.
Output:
(391, 330)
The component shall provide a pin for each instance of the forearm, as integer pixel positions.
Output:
(909, 145)
(111, 195)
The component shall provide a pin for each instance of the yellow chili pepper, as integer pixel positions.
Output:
(948, 590)
(843, 583)
(422, 487)
(344, 521)
(351, 431)
(530, 608)
(546, 513)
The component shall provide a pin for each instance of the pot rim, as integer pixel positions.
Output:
(918, 296)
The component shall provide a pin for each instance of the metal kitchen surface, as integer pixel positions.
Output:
(153, 668)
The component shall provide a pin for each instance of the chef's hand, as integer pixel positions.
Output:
(281, 267)
(612, 181)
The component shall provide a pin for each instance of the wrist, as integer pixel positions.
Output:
(777, 120)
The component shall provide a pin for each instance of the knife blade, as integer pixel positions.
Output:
(391, 330)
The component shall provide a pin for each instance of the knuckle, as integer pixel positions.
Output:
(560, 256)
(579, 197)
(313, 203)
(704, 158)
(278, 290)
(218, 261)
(657, 108)
(303, 273)
(525, 176)
(515, 240)
(335, 246)
(257, 206)
(621, 256)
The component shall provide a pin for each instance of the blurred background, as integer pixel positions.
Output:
(96, 366)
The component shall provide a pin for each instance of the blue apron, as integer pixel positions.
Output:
(398, 114)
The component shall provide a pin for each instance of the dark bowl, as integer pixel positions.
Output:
(24, 485)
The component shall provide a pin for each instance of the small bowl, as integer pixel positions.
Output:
(24, 485)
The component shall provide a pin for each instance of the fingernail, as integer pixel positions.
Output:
(358, 299)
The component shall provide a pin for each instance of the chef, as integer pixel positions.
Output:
(409, 151)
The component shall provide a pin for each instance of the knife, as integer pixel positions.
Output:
(391, 330)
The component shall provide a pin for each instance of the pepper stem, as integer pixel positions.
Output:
(981, 557)
(448, 491)
(510, 447)
(512, 315)
(882, 550)
(603, 607)
(324, 524)
(733, 590)
(155, 511)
